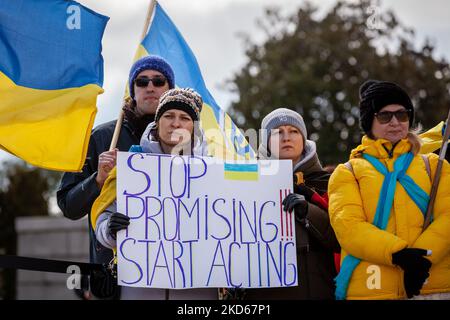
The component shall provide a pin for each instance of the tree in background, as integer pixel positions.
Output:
(24, 191)
(316, 65)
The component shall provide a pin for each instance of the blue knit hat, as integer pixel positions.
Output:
(152, 62)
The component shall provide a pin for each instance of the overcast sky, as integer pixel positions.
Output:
(211, 28)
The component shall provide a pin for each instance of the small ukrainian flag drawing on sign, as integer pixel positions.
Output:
(241, 171)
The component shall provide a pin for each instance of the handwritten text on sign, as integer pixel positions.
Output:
(198, 222)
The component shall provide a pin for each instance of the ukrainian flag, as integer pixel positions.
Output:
(51, 71)
(432, 139)
(224, 139)
(241, 171)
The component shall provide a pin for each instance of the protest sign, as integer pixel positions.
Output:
(200, 222)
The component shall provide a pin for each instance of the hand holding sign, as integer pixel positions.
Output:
(116, 222)
(199, 222)
(298, 203)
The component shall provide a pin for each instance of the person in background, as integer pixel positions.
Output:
(378, 201)
(285, 137)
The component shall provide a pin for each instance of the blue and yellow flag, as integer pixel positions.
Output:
(241, 171)
(224, 139)
(51, 72)
(432, 139)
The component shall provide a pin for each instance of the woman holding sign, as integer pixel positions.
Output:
(285, 137)
(377, 204)
(175, 131)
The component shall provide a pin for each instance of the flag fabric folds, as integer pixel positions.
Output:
(51, 72)
(224, 139)
(432, 139)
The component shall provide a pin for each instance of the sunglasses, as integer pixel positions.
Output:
(143, 82)
(386, 116)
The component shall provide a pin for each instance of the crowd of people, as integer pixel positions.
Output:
(367, 213)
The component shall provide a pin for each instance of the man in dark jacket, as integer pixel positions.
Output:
(149, 78)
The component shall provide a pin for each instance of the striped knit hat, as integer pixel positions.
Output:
(184, 99)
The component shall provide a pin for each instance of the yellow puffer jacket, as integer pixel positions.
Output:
(353, 202)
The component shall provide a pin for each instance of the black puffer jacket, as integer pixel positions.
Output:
(78, 191)
(316, 244)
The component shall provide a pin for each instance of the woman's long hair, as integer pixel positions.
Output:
(415, 140)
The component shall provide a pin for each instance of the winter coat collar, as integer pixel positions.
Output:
(309, 162)
(381, 148)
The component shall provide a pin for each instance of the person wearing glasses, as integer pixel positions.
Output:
(149, 78)
(377, 203)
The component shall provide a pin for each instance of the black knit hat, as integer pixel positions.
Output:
(375, 95)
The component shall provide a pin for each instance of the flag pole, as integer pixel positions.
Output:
(437, 175)
(116, 134)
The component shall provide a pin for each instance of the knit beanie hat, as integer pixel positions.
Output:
(185, 99)
(152, 62)
(375, 95)
(282, 117)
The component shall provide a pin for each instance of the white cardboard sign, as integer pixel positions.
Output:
(199, 222)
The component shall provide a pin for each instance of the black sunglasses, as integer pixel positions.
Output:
(143, 82)
(386, 116)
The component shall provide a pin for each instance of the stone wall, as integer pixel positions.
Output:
(49, 238)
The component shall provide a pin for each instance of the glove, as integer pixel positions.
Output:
(416, 268)
(305, 191)
(116, 222)
(103, 284)
(413, 282)
(411, 259)
(298, 203)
